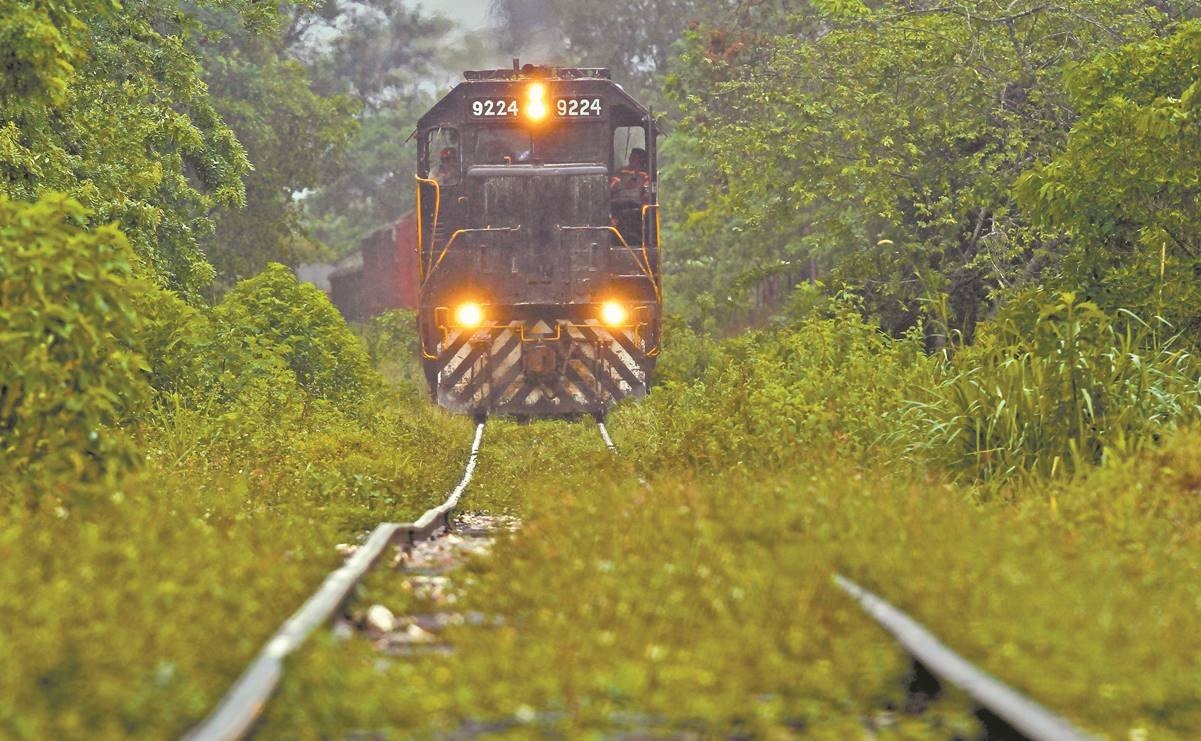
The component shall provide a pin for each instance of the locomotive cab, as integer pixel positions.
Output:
(538, 260)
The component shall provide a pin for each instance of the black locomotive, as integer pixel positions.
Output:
(538, 243)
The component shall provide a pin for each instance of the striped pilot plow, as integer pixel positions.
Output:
(540, 367)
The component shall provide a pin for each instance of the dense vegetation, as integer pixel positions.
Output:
(964, 238)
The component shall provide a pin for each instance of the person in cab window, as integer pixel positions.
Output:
(629, 191)
(447, 171)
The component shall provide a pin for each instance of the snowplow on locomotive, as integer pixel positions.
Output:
(538, 243)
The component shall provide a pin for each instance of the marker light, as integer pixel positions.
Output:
(469, 315)
(535, 106)
(613, 313)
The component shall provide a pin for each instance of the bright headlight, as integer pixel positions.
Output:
(535, 106)
(469, 315)
(614, 314)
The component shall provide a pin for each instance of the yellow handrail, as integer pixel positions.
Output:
(455, 236)
(646, 256)
(433, 226)
(645, 267)
(420, 266)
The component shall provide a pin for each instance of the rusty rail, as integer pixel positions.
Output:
(242, 704)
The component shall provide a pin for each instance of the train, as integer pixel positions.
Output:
(539, 289)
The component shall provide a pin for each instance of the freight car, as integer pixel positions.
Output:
(380, 274)
(538, 243)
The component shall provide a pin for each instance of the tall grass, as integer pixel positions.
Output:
(1050, 393)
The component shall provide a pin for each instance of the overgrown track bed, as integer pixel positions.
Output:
(243, 703)
(238, 710)
(640, 592)
(1007, 712)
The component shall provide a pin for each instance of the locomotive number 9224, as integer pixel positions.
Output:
(495, 108)
(578, 107)
(538, 256)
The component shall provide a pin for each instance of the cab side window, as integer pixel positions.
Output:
(445, 156)
(626, 139)
(629, 186)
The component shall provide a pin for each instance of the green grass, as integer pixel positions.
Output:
(705, 602)
(627, 604)
(686, 584)
(131, 610)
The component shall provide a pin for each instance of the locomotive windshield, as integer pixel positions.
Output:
(509, 119)
(510, 144)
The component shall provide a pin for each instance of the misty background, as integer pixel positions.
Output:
(471, 14)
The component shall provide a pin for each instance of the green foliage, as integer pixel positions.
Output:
(129, 613)
(175, 336)
(687, 355)
(876, 147)
(830, 379)
(274, 315)
(131, 133)
(393, 346)
(40, 46)
(69, 373)
(266, 441)
(1123, 186)
(1054, 392)
(294, 136)
(373, 186)
(631, 39)
(383, 54)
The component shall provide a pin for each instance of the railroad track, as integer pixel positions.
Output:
(239, 709)
(237, 712)
(1013, 715)
(1008, 713)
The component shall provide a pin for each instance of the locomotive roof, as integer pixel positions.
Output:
(436, 115)
(533, 72)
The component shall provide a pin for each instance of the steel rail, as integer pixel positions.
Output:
(242, 704)
(604, 433)
(1021, 713)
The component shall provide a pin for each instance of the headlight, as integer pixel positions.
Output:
(469, 315)
(535, 106)
(614, 314)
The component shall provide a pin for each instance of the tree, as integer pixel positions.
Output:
(294, 137)
(106, 102)
(70, 367)
(1123, 189)
(883, 145)
(634, 39)
(384, 55)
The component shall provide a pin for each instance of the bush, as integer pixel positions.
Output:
(274, 315)
(771, 396)
(393, 346)
(69, 371)
(687, 355)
